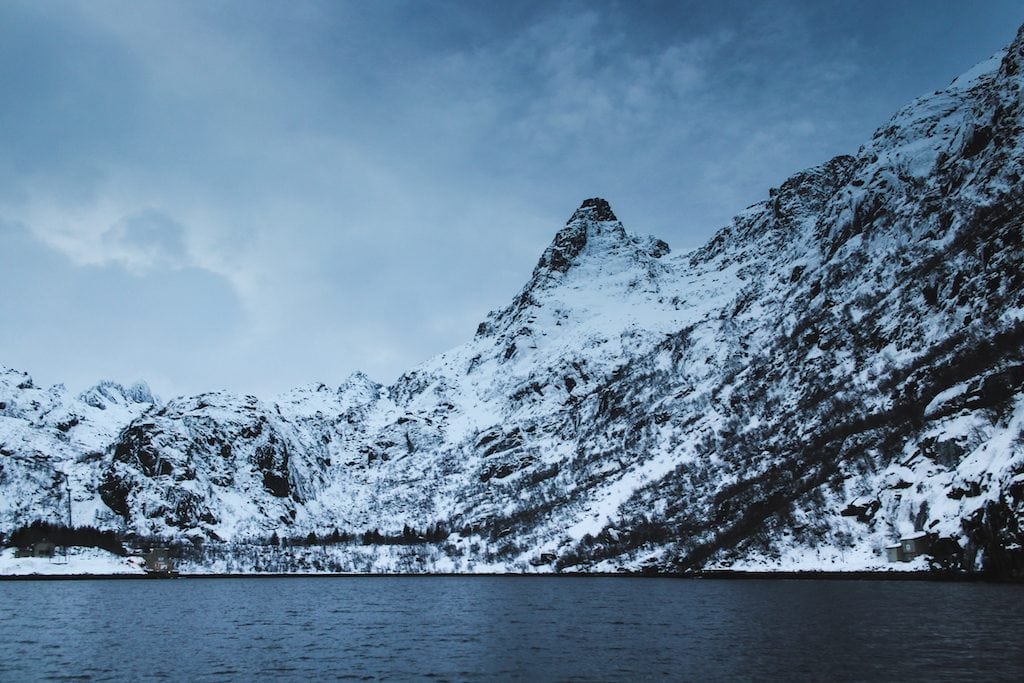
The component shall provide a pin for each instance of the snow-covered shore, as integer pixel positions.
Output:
(77, 562)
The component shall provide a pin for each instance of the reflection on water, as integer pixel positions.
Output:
(457, 628)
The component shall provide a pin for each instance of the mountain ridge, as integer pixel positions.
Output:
(838, 367)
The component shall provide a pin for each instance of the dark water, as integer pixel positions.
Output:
(451, 628)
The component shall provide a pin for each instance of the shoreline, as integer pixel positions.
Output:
(714, 574)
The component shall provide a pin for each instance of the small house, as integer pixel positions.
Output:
(909, 547)
(545, 558)
(914, 545)
(42, 548)
(158, 561)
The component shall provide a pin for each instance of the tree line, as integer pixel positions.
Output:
(91, 537)
(409, 535)
(63, 535)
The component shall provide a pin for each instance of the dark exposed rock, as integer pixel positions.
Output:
(596, 209)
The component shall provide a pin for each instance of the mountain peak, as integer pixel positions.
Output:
(593, 209)
(107, 393)
(593, 221)
(592, 236)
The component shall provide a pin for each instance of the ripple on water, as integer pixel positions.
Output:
(543, 628)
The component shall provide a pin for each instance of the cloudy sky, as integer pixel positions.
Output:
(257, 195)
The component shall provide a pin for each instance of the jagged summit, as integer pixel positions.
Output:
(106, 392)
(593, 227)
(588, 222)
(594, 209)
(592, 246)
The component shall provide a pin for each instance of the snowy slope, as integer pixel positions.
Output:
(53, 444)
(839, 366)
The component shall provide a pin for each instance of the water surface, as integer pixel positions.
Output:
(535, 628)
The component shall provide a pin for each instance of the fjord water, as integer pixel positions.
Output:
(461, 628)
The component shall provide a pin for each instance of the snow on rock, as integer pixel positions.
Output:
(77, 561)
(839, 366)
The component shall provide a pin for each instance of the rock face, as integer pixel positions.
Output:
(841, 365)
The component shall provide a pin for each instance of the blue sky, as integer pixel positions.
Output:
(257, 195)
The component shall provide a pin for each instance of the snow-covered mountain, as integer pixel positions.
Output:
(840, 366)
